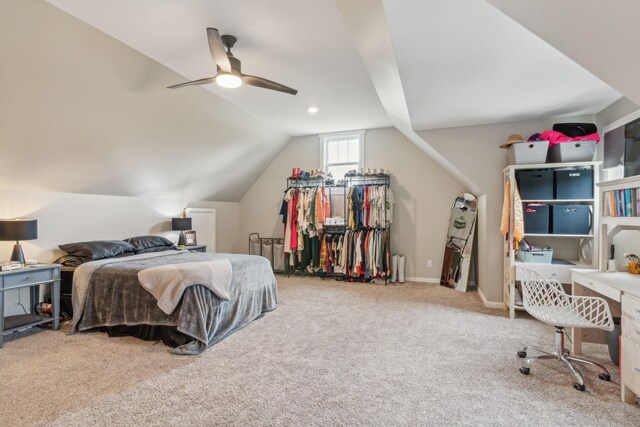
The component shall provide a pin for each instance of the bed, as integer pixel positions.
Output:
(108, 294)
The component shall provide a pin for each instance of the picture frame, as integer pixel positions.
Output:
(190, 238)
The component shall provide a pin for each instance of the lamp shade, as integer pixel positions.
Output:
(18, 229)
(180, 224)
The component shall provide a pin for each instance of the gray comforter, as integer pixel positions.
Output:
(108, 293)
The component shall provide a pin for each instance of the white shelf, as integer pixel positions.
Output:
(558, 235)
(550, 166)
(559, 201)
(621, 220)
(565, 242)
(609, 224)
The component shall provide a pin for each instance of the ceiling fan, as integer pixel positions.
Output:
(228, 66)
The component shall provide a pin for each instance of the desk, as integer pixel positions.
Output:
(624, 289)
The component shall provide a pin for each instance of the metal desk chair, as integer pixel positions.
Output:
(545, 300)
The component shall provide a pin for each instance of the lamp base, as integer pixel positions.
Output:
(17, 254)
(181, 240)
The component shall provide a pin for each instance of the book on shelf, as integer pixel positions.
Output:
(624, 203)
(9, 265)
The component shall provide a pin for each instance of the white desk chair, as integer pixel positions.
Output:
(545, 300)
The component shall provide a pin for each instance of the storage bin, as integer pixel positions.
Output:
(524, 153)
(278, 255)
(572, 151)
(573, 183)
(255, 247)
(543, 256)
(536, 218)
(267, 250)
(535, 184)
(570, 219)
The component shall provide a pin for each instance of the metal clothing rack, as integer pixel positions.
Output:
(313, 182)
(355, 180)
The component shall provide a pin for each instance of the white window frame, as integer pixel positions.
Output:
(325, 138)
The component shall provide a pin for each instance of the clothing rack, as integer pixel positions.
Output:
(369, 180)
(329, 255)
(304, 183)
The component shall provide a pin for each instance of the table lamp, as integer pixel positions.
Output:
(18, 229)
(181, 224)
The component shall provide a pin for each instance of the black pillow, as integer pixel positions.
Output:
(69, 260)
(144, 244)
(156, 249)
(97, 249)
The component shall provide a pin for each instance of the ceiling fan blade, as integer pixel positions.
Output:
(218, 51)
(267, 84)
(194, 83)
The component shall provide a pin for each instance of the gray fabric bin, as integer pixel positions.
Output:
(254, 247)
(267, 250)
(278, 256)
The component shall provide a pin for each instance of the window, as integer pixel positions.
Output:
(342, 152)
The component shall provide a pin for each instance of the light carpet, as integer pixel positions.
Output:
(332, 353)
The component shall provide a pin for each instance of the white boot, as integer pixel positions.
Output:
(401, 268)
(394, 268)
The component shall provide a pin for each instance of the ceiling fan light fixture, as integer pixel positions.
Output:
(228, 80)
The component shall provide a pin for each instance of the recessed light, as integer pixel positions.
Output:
(313, 110)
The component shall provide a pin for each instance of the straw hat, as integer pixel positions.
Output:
(513, 139)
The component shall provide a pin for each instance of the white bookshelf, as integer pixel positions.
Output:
(560, 272)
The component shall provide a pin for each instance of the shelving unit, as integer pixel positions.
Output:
(628, 283)
(609, 225)
(575, 245)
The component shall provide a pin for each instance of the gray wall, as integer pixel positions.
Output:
(84, 113)
(70, 217)
(423, 191)
(474, 151)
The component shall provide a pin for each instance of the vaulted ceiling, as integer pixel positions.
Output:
(425, 64)
(461, 62)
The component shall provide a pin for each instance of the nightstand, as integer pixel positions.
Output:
(197, 248)
(30, 277)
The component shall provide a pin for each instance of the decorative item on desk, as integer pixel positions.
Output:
(181, 224)
(634, 263)
(18, 229)
(611, 265)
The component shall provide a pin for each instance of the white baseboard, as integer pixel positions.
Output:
(489, 304)
(422, 279)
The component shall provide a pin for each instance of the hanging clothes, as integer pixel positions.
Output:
(518, 216)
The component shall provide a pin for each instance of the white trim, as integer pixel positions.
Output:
(488, 304)
(211, 247)
(422, 279)
(622, 121)
(324, 137)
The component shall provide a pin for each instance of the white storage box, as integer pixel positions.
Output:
(527, 153)
(572, 151)
(538, 257)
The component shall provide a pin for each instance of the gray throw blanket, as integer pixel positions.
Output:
(167, 283)
(108, 293)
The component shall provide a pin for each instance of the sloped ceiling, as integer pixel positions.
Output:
(450, 63)
(301, 44)
(465, 63)
(600, 36)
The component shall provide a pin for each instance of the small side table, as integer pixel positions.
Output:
(30, 277)
(196, 248)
